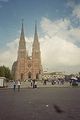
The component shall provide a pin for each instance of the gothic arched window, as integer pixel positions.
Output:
(21, 76)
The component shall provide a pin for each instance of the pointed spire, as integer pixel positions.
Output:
(22, 43)
(22, 30)
(35, 27)
(35, 35)
(36, 42)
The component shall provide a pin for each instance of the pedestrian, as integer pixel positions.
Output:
(31, 83)
(70, 82)
(18, 85)
(44, 82)
(14, 85)
(35, 84)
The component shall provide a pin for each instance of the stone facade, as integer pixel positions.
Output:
(27, 67)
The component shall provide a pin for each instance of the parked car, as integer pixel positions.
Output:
(74, 81)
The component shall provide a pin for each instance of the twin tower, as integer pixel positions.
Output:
(27, 67)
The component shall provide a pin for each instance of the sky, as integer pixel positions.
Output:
(58, 23)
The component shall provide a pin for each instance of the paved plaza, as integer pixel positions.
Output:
(40, 104)
(40, 84)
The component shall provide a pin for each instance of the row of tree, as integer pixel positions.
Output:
(5, 72)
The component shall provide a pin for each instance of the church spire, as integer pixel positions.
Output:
(35, 27)
(22, 43)
(22, 31)
(35, 35)
(36, 45)
(22, 53)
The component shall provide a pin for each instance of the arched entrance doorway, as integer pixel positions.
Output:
(29, 75)
(37, 76)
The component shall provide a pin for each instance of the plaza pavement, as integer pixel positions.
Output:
(40, 104)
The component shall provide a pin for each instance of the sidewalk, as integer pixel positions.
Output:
(40, 84)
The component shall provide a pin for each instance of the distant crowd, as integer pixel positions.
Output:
(59, 81)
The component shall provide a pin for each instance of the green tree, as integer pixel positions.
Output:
(5, 72)
(2, 71)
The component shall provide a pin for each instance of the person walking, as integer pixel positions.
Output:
(18, 85)
(31, 83)
(14, 84)
(34, 83)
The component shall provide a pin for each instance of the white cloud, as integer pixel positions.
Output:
(58, 50)
(8, 56)
(61, 28)
(55, 27)
(75, 8)
(71, 3)
(76, 11)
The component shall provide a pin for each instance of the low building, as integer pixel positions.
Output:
(2, 81)
(52, 75)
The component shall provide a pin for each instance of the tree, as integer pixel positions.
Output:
(2, 71)
(5, 72)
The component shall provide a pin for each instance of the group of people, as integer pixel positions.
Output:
(17, 84)
(33, 83)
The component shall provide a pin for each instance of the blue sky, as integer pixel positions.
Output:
(58, 21)
(12, 11)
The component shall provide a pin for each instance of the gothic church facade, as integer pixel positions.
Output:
(27, 67)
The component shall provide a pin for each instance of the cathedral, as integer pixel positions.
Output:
(27, 67)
